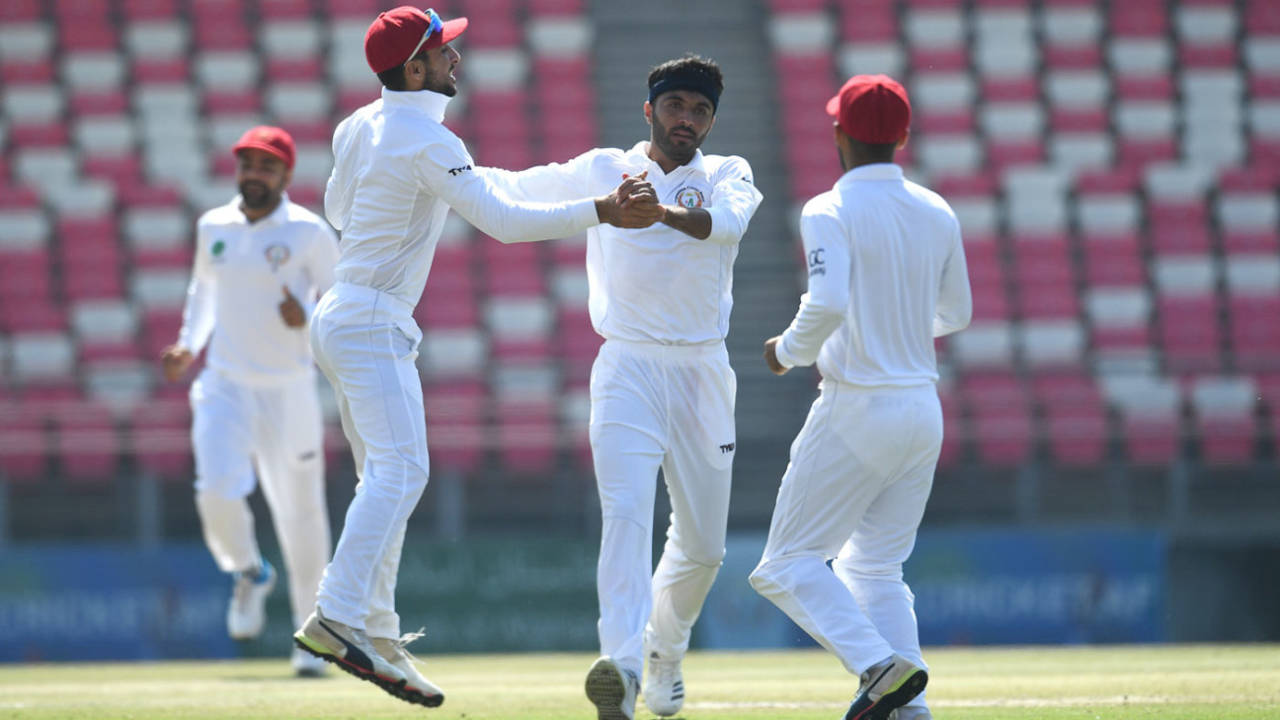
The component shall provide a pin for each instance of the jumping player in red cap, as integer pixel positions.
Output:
(887, 275)
(397, 172)
(260, 264)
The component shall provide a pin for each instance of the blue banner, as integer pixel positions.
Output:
(1013, 586)
(82, 602)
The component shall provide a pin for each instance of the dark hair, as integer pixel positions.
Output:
(691, 66)
(873, 152)
(393, 78)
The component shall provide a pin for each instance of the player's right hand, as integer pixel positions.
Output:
(633, 204)
(174, 361)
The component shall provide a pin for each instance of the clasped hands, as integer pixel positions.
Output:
(633, 204)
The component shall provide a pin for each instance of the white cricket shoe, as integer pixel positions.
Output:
(612, 690)
(348, 648)
(417, 689)
(663, 685)
(887, 686)
(247, 613)
(306, 665)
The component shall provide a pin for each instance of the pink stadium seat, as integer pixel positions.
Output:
(41, 135)
(446, 310)
(88, 444)
(868, 23)
(1010, 89)
(120, 170)
(527, 436)
(1041, 260)
(1189, 334)
(1250, 242)
(229, 102)
(1264, 87)
(87, 34)
(1075, 418)
(1226, 440)
(1002, 155)
(579, 343)
(800, 6)
(1114, 260)
(1001, 418)
(24, 441)
(1047, 299)
(1145, 18)
(1138, 153)
(149, 9)
(1152, 439)
(990, 302)
(1262, 17)
(286, 9)
(939, 59)
(160, 439)
(1074, 57)
(362, 9)
(21, 10)
(1255, 332)
(1178, 227)
(556, 7)
(159, 330)
(456, 419)
(1144, 87)
(1198, 57)
(99, 101)
(294, 70)
(27, 72)
(222, 33)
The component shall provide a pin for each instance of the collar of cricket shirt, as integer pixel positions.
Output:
(642, 150)
(874, 171)
(431, 103)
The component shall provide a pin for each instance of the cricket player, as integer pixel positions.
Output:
(662, 391)
(260, 263)
(886, 276)
(397, 172)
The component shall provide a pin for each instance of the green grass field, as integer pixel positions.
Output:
(1206, 682)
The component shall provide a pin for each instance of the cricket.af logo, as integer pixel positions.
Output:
(817, 263)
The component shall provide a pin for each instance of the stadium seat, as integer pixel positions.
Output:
(1224, 412)
(24, 441)
(1075, 418)
(88, 443)
(160, 439)
(1001, 418)
(456, 419)
(1151, 417)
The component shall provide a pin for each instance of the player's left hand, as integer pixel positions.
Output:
(291, 310)
(771, 356)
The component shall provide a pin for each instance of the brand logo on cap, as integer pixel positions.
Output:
(690, 197)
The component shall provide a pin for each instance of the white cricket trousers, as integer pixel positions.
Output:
(280, 430)
(365, 342)
(860, 474)
(671, 407)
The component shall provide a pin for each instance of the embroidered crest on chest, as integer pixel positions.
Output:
(277, 255)
(690, 197)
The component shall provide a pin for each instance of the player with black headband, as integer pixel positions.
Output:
(662, 391)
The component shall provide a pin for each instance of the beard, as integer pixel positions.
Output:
(257, 195)
(680, 150)
(444, 85)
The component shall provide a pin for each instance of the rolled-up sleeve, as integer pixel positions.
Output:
(734, 199)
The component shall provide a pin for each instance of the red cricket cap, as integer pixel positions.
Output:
(268, 139)
(397, 35)
(872, 108)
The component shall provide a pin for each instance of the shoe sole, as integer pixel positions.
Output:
(394, 688)
(906, 689)
(606, 689)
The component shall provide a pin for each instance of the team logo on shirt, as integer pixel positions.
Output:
(277, 255)
(690, 197)
(216, 250)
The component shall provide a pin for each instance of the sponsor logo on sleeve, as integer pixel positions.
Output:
(727, 448)
(459, 170)
(817, 263)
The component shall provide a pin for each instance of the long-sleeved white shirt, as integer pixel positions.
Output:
(240, 272)
(887, 274)
(397, 171)
(655, 284)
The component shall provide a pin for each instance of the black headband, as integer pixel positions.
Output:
(687, 80)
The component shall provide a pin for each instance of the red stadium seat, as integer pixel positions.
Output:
(1001, 418)
(24, 441)
(88, 443)
(1255, 332)
(1189, 334)
(1075, 418)
(527, 436)
(160, 439)
(456, 419)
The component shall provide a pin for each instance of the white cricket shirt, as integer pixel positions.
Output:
(655, 284)
(397, 171)
(241, 270)
(886, 275)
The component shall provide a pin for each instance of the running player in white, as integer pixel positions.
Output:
(886, 276)
(397, 172)
(260, 263)
(662, 391)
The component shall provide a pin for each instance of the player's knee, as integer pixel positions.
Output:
(705, 553)
(868, 570)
